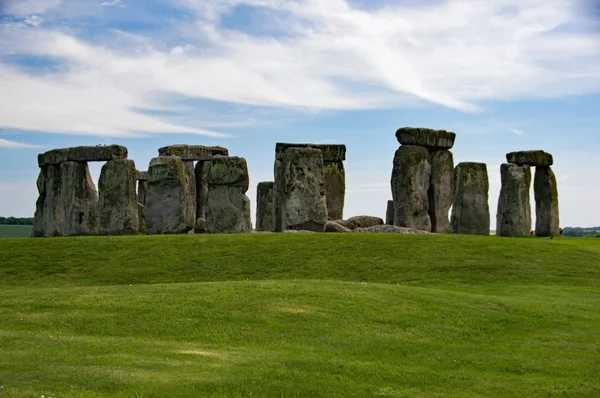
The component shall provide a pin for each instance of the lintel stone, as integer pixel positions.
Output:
(98, 153)
(193, 152)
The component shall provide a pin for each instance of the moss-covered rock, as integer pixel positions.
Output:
(530, 158)
(441, 190)
(265, 220)
(545, 189)
(433, 139)
(193, 152)
(118, 198)
(98, 153)
(470, 209)
(514, 207)
(79, 210)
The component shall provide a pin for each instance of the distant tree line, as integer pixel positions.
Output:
(16, 221)
(581, 232)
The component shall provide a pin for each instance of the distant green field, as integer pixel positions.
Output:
(15, 231)
(311, 315)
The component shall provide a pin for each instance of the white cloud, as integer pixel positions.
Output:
(327, 55)
(34, 20)
(112, 3)
(28, 7)
(13, 144)
(516, 131)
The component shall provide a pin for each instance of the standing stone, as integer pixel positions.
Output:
(514, 208)
(389, 213)
(470, 210)
(170, 208)
(304, 206)
(335, 188)
(118, 199)
(200, 172)
(410, 182)
(142, 177)
(278, 195)
(47, 220)
(188, 165)
(264, 206)
(441, 190)
(546, 202)
(79, 209)
(227, 206)
(142, 218)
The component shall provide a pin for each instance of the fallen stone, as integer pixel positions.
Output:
(82, 154)
(333, 226)
(304, 205)
(335, 188)
(389, 213)
(530, 158)
(193, 152)
(441, 191)
(365, 221)
(433, 139)
(545, 190)
(470, 210)
(47, 220)
(345, 224)
(514, 207)
(170, 208)
(330, 152)
(200, 227)
(79, 211)
(118, 198)
(389, 229)
(411, 176)
(265, 216)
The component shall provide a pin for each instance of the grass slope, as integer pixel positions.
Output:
(300, 315)
(15, 231)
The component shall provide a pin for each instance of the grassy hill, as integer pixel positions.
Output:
(300, 315)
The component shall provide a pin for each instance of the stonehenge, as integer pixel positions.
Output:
(202, 189)
(514, 208)
(423, 179)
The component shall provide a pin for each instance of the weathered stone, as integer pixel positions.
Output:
(304, 205)
(188, 165)
(142, 175)
(332, 226)
(82, 154)
(142, 218)
(470, 209)
(530, 158)
(346, 224)
(170, 209)
(200, 227)
(335, 188)
(118, 199)
(365, 221)
(330, 152)
(441, 190)
(201, 173)
(433, 139)
(389, 229)
(389, 213)
(278, 195)
(47, 220)
(193, 152)
(79, 209)
(142, 191)
(514, 208)
(227, 206)
(410, 182)
(265, 216)
(545, 190)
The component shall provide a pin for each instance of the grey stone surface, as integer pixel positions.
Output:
(79, 211)
(390, 213)
(201, 171)
(142, 191)
(304, 205)
(411, 175)
(118, 198)
(332, 226)
(200, 227)
(142, 175)
(389, 229)
(188, 165)
(170, 209)
(530, 158)
(265, 215)
(514, 207)
(335, 188)
(278, 195)
(365, 221)
(330, 152)
(345, 224)
(227, 206)
(545, 190)
(47, 220)
(142, 218)
(83, 154)
(441, 190)
(433, 139)
(193, 152)
(470, 209)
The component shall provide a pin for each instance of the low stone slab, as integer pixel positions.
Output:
(389, 229)
(470, 209)
(530, 158)
(333, 226)
(99, 153)
(345, 224)
(330, 152)
(365, 221)
(193, 152)
(434, 139)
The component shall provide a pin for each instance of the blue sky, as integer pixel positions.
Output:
(504, 75)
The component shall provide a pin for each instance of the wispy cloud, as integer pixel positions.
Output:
(13, 144)
(516, 131)
(112, 3)
(324, 54)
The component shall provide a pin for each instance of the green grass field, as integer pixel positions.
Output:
(286, 315)
(15, 231)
